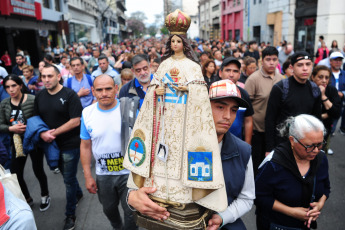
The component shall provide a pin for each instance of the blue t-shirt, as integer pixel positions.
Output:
(77, 85)
(236, 127)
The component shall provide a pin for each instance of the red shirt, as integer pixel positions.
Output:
(6, 59)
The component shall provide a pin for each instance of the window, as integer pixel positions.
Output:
(254, 2)
(57, 5)
(260, 1)
(230, 35)
(237, 35)
(46, 4)
(215, 8)
(234, 3)
(256, 33)
(239, 2)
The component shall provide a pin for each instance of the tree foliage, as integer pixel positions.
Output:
(164, 30)
(136, 26)
(152, 30)
(136, 23)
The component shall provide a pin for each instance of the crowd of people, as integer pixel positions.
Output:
(278, 112)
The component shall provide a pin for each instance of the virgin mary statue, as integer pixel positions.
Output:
(173, 145)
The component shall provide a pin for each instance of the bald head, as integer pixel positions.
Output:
(104, 78)
(288, 49)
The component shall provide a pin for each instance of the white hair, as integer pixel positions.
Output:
(300, 125)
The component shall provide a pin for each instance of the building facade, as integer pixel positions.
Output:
(209, 18)
(299, 22)
(254, 24)
(232, 19)
(83, 17)
(190, 7)
(171, 6)
(330, 22)
(31, 26)
(122, 22)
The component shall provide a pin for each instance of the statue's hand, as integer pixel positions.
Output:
(181, 88)
(160, 91)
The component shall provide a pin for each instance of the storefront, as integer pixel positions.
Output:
(305, 16)
(20, 26)
(82, 26)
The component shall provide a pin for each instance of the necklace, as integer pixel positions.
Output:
(179, 57)
(155, 133)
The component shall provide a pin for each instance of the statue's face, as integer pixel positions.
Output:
(176, 44)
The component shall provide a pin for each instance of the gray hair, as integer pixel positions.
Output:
(139, 58)
(300, 125)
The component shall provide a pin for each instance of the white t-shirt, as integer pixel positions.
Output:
(3, 72)
(103, 127)
(336, 76)
(218, 63)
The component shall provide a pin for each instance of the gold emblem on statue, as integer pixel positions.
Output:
(174, 72)
(139, 133)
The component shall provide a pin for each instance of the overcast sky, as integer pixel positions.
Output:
(149, 7)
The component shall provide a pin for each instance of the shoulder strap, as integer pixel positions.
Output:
(69, 82)
(89, 79)
(285, 88)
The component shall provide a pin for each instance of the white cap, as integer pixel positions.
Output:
(335, 55)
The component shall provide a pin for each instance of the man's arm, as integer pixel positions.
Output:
(248, 129)
(68, 126)
(85, 158)
(140, 200)
(242, 204)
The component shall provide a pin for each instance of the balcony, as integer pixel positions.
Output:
(121, 5)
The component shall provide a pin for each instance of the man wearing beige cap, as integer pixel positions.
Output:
(236, 161)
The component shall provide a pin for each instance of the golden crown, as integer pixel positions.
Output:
(174, 72)
(177, 22)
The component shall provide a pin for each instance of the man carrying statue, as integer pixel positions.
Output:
(178, 173)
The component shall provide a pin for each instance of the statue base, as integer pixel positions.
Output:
(193, 216)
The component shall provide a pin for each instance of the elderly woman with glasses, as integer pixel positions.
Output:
(292, 184)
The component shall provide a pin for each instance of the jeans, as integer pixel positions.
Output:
(68, 165)
(111, 190)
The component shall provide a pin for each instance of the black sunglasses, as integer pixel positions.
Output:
(310, 148)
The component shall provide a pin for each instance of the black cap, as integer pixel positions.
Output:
(126, 65)
(298, 56)
(230, 60)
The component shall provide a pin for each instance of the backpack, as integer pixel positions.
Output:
(314, 88)
(69, 81)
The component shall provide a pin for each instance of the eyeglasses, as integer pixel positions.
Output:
(310, 148)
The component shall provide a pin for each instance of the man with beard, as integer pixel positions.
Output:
(18, 69)
(138, 86)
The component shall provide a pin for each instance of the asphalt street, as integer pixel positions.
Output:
(90, 214)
